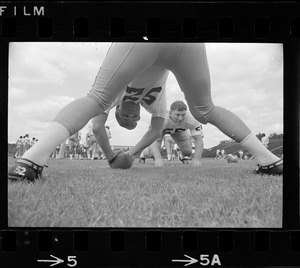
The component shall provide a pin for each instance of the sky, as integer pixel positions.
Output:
(246, 79)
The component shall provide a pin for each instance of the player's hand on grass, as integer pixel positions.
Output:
(159, 163)
(196, 163)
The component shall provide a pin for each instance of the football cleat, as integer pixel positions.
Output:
(25, 169)
(273, 169)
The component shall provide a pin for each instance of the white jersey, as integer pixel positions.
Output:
(108, 133)
(149, 90)
(27, 143)
(189, 123)
(89, 129)
(19, 143)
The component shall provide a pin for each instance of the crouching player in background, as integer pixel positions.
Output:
(177, 123)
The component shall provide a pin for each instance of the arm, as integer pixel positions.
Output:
(87, 135)
(163, 144)
(101, 135)
(198, 150)
(150, 136)
(155, 148)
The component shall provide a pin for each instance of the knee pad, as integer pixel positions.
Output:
(202, 113)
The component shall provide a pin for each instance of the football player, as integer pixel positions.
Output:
(147, 90)
(265, 140)
(32, 142)
(223, 154)
(91, 143)
(123, 63)
(241, 153)
(26, 143)
(169, 143)
(19, 148)
(218, 154)
(108, 133)
(177, 123)
(73, 141)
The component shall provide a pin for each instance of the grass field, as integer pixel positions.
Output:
(83, 193)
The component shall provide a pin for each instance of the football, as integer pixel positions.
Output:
(121, 161)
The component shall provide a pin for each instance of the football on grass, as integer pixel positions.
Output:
(122, 161)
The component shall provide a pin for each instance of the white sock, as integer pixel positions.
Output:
(47, 143)
(258, 150)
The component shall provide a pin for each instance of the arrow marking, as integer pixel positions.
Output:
(190, 261)
(55, 262)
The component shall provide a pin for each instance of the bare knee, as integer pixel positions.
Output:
(202, 113)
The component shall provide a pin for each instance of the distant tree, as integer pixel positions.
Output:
(223, 142)
(274, 136)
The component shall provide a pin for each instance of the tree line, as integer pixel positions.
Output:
(272, 136)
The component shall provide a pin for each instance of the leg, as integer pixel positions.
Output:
(77, 114)
(236, 129)
(71, 146)
(192, 73)
(69, 120)
(143, 156)
(173, 154)
(62, 150)
(229, 124)
(168, 144)
(94, 150)
(89, 152)
(92, 146)
(123, 63)
(183, 143)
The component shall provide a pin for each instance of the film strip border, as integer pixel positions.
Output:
(150, 21)
(157, 22)
(152, 248)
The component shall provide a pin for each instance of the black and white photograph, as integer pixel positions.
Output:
(151, 135)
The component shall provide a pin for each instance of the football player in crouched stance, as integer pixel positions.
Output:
(178, 124)
(123, 63)
(147, 90)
